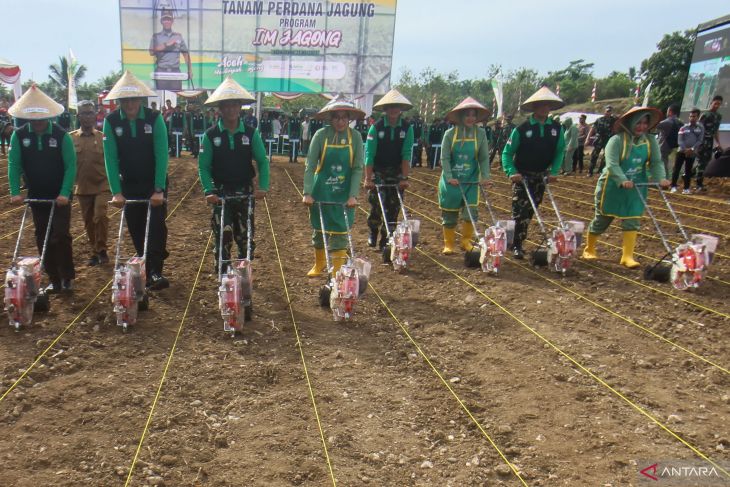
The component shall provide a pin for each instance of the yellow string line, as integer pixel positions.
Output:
(73, 322)
(448, 386)
(53, 343)
(606, 270)
(653, 237)
(604, 308)
(169, 361)
(577, 364)
(428, 361)
(299, 346)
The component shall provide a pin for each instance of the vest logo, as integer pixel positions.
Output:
(554, 133)
(528, 134)
(381, 135)
(244, 140)
(147, 128)
(52, 142)
(119, 131)
(402, 134)
(217, 141)
(26, 142)
(343, 141)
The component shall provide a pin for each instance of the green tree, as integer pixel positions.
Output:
(576, 81)
(668, 68)
(615, 85)
(59, 76)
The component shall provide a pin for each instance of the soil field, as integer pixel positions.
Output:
(444, 377)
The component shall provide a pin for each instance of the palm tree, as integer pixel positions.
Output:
(59, 75)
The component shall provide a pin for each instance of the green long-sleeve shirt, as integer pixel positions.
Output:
(15, 163)
(159, 146)
(613, 158)
(205, 158)
(371, 145)
(482, 150)
(510, 149)
(315, 151)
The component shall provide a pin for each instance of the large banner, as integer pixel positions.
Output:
(316, 46)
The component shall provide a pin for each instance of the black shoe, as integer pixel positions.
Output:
(157, 282)
(383, 242)
(373, 238)
(53, 288)
(67, 286)
(103, 257)
(94, 261)
(518, 253)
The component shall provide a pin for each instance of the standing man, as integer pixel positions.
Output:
(166, 47)
(226, 168)
(579, 153)
(690, 139)
(177, 129)
(44, 154)
(710, 121)
(668, 131)
(417, 125)
(65, 120)
(571, 143)
(534, 151)
(387, 161)
(197, 130)
(92, 189)
(135, 153)
(295, 130)
(306, 135)
(603, 128)
(435, 137)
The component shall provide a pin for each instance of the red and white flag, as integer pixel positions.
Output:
(593, 93)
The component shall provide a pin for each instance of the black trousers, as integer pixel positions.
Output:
(680, 161)
(136, 216)
(522, 211)
(578, 158)
(59, 259)
(417, 155)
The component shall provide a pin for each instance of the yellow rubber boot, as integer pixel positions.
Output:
(627, 257)
(467, 232)
(589, 253)
(320, 262)
(339, 257)
(449, 241)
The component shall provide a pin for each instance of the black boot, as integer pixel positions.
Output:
(383, 239)
(373, 237)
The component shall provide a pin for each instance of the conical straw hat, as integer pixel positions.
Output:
(543, 95)
(468, 103)
(340, 104)
(129, 86)
(624, 120)
(393, 98)
(230, 90)
(35, 105)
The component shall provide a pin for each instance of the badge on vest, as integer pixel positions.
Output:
(244, 140)
(343, 141)
(119, 131)
(26, 142)
(217, 141)
(402, 134)
(381, 135)
(147, 128)
(53, 143)
(554, 133)
(528, 134)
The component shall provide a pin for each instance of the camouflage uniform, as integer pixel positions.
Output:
(604, 130)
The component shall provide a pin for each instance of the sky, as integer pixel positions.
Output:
(447, 35)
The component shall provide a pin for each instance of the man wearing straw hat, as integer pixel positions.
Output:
(387, 161)
(534, 151)
(135, 154)
(44, 154)
(226, 168)
(333, 173)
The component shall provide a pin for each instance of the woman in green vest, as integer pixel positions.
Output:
(464, 159)
(632, 156)
(333, 174)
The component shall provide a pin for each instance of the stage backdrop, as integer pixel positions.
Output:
(316, 46)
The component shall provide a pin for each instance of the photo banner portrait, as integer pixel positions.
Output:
(316, 46)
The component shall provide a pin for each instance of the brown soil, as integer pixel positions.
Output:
(240, 411)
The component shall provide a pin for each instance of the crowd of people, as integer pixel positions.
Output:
(124, 156)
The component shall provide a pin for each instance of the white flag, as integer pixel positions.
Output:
(498, 93)
(71, 70)
(646, 95)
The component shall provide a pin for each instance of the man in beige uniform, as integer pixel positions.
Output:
(92, 189)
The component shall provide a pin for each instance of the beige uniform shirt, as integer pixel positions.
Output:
(90, 172)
